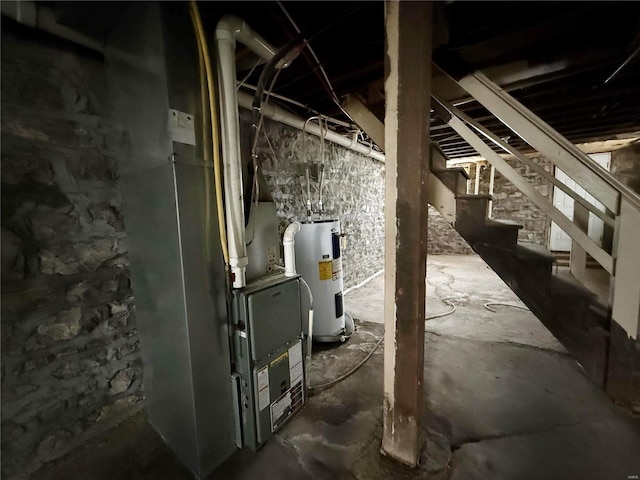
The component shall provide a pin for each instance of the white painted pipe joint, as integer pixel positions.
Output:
(288, 241)
(233, 28)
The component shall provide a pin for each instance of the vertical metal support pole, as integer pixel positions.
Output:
(492, 177)
(476, 190)
(578, 256)
(407, 90)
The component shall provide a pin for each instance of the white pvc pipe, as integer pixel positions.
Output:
(288, 241)
(239, 30)
(363, 283)
(229, 30)
(279, 115)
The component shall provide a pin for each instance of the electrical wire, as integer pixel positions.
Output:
(204, 108)
(304, 131)
(486, 305)
(241, 82)
(215, 141)
(306, 107)
(273, 153)
(294, 45)
(303, 76)
(353, 322)
(283, 98)
(342, 377)
(271, 65)
(321, 180)
(307, 43)
(254, 156)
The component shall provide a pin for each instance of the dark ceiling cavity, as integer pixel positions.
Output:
(581, 57)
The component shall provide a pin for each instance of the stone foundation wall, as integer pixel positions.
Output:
(625, 166)
(443, 238)
(509, 203)
(70, 356)
(353, 191)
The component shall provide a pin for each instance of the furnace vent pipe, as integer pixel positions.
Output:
(279, 115)
(289, 243)
(230, 30)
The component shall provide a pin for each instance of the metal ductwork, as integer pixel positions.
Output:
(223, 366)
(177, 266)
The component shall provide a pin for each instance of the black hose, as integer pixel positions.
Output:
(298, 40)
(271, 65)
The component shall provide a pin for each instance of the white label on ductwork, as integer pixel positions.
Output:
(295, 363)
(264, 398)
(182, 127)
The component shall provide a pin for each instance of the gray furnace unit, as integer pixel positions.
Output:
(268, 353)
(223, 368)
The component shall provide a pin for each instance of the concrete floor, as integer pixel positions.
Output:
(503, 401)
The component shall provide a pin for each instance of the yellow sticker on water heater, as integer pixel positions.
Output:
(325, 269)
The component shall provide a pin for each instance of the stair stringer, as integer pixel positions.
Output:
(570, 312)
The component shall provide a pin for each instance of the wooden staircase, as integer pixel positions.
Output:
(570, 311)
(605, 345)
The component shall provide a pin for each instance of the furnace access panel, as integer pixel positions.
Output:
(267, 326)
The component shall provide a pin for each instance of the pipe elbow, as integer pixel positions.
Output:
(290, 232)
(289, 249)
(232, 24)
(234, 28)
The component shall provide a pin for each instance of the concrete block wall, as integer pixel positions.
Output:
(70, 353)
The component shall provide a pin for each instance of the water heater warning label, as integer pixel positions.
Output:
(336, 267)
(325, 269)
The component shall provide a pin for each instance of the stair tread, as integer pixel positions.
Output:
(470, 196)
(491, 224)
(457, 170)
(506, 222)
(527, 248)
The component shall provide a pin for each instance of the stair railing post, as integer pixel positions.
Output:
(476, 189)
(492, 178)
(578, 255)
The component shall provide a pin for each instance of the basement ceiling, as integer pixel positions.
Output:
(554, 57)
